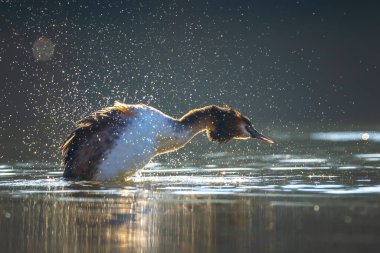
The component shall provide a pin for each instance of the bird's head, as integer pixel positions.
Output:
(228, 123)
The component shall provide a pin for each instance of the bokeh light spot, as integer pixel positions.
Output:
(43, 49)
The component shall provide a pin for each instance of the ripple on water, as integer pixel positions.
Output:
(206, 192)
(5, 166)
(346, 136)
(355, 190)
(303, 160)
(300, 168)
(169, 170)
(368, 157)
(196, 180)
(7, 174)
(348, 167)
(49, 182)
(216, 155)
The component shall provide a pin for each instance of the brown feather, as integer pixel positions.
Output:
(86, 146)
(219, 122)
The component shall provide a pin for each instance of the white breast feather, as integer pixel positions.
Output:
(137, 144)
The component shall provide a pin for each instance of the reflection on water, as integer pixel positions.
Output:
(308, 195)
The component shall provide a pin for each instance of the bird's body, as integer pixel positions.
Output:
(148, 133)
(119, 140)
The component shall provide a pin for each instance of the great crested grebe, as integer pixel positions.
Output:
(121, 139)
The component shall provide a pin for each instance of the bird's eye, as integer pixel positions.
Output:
(249, 128)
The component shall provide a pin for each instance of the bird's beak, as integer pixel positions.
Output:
(259, 136)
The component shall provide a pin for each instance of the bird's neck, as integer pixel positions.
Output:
(185, 128)
(198, 120)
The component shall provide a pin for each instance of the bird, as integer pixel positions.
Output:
(119, 140)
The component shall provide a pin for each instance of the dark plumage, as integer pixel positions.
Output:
(97, 132)
(220, 122)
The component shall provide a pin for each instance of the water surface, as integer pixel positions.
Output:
(310, 192)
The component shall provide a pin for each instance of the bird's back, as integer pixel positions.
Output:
(85, 148)
(114, 141)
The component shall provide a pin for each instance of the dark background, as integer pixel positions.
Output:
(282, 63)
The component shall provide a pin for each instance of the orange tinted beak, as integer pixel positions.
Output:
(259, 136)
